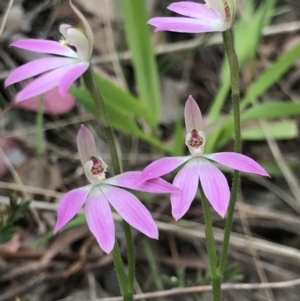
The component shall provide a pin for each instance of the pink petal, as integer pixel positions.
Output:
(187, 180)
(131, 180)
(131, 210)
(99, 219)
(54, 103)
(86, 144)
(36, 67)
(192, 116)
(194, 10)
(69, 206)
(161, 167)
(45, 46)
(43, 83)
(238, 162)
(70, 77)
(214, 185)
(187, 25)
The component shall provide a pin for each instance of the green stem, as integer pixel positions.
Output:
(126, 285)
(90, 82)
(130, 256)
(211, 249)
(119, 266)
(228, 38)
(40, 147)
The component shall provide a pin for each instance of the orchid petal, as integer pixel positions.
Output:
(69, 206)
(161, 167)
(87, 27)
(131, 210)
(214, 185)
(238, 162)
(70, 77)
(188, 25)
(44, 83)
(36, 67)
(76, 38)
(45, 46)
(100, 220)
(194, 10)
(131, 180)
(187, 180)
(192, 116)
(86, 145)
(218, 6)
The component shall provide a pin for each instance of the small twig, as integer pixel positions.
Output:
(51, 125)
(287, 173)
(5, 17)
(255, 255)
(282, 194)
(190, 231)
(208, 288)
(30, 189)
(110, 43)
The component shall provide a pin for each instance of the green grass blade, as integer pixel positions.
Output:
(271, 110)
(139, 41)
(119, 120)
(283, 130)
(271, 75)
(250, 26)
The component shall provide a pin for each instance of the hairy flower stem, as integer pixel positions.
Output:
(228, 38)
(211, 249)
(40, 146)
(126, 285)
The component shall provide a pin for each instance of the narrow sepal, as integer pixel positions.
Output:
(86, 144)
(37, 67)
(45, 46)
(69, 206)
(131, 210)
(131, 180)
(238, 162)
(69, 77)
(44, 83)
(192, 116)
(187, 181)
(100, 220)
(214, 185)
(161, 167)
(195, 10)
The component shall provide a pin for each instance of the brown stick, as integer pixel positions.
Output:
(208, 288)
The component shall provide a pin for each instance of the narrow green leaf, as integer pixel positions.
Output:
(117, 98)
(139, 41)
(271, 75)
(271, 110)
(120, 99)
(273, 169)
(250, 26)
(118, 119)
(279, 130)
(179, 138)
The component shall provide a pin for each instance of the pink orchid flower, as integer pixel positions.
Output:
(62, 70)
(102, 192)
(198, 167)
(215, 15)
